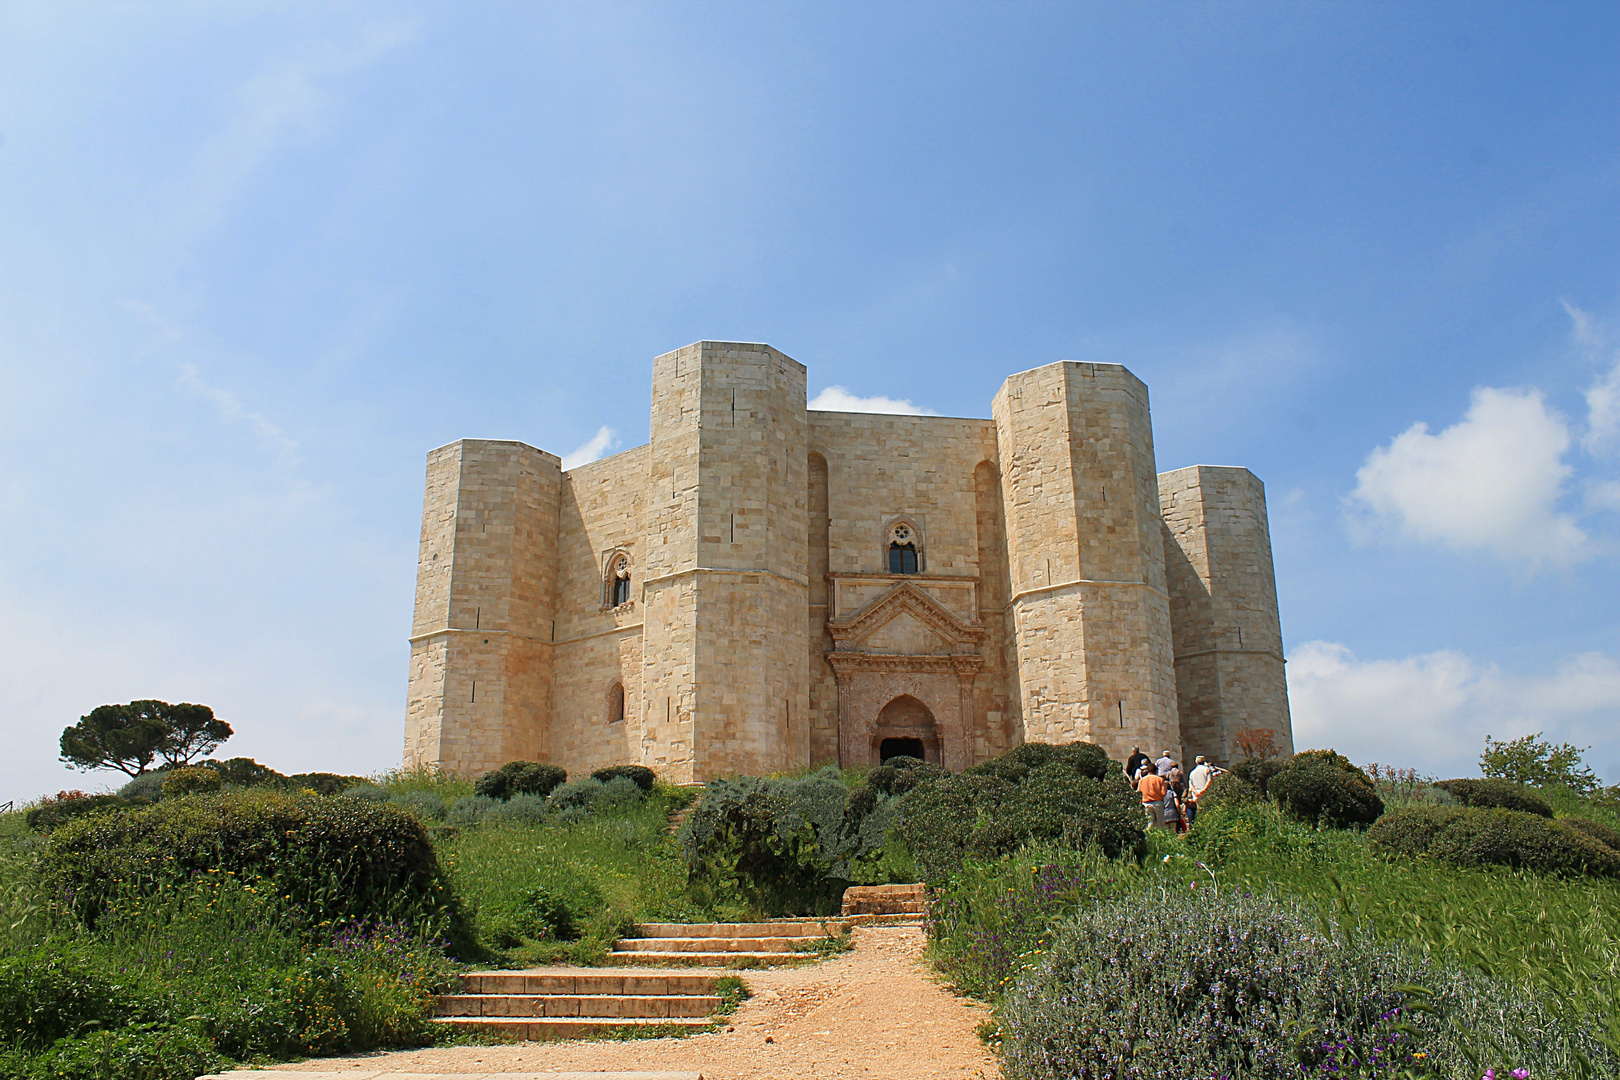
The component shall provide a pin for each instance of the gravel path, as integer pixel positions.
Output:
(872, 1012)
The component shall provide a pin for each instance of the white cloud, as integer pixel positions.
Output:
(1491, 481)
(839, 399)
(1432, 712)
(1603, 396)
(604, 442)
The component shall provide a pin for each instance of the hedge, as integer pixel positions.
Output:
(643, 776)
(520, 778)
(1474, 836)
(1073, 794)
(1321, 787)
(333, 858)
(1502, 793)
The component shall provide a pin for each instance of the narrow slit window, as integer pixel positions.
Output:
(615, 710)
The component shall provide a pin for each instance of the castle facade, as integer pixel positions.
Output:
(762, 587)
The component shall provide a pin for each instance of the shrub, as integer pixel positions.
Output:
(640, 774)
(581, 793)
(424, 804)
(148, 1052)
(1502, 793)
(322, 783)
(53, 992)
(774, 843)
(1082, 758)
(51, 814)
(618, 792)
(1228, 791)
(540, 914)
(1323, 788)
(1257, 772)
(899, 775)
(191, 780)
(472, 809)
(520, 778)
(1603, 834)
(1072, 794)
(520, 810)
(245, 772)
(1224, 984)
(1471, 836)
(145, 788)
(333, 858)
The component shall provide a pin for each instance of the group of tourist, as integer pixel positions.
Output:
(1169, 798)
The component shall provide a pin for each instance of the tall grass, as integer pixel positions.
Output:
(614, 869)
(23, 916)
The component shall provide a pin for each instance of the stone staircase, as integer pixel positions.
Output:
(865, 905)
(570, 1005)
(702, 944)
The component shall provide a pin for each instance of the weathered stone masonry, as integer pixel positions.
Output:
(762, 587)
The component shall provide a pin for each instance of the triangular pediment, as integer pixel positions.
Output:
(905, 620)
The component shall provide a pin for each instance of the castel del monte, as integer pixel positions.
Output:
(762, 587)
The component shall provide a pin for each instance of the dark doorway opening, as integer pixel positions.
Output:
(900, 748)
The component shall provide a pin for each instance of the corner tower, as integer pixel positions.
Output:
(1090, 610)
(480, 674)
(725, 676)
(1223, 605)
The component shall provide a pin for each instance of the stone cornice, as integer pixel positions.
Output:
(961, 664)
(909, 598)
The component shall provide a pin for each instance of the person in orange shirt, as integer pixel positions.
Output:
(1152, 787)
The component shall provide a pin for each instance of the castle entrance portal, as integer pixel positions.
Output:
(905, 726)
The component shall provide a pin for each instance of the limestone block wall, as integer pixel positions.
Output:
(480, 675)
(1086, 564)
(928, 470)
(725, 657)
(599, 645)
(1223, 590)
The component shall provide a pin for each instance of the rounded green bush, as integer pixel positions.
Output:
(424, 804)
(52, 814)
(1609, 838)
(1082, 758)
(1228, 791)
(582, 793)
(1257, 772)
(1502, 793)
(643, 776)
(190, 781)
(1473, 836)
(1321, 788)
(520, 778)
(322, 783)
(519, 810)
(244, 772)
(1220, 984)
(472, 809)
(336, 858)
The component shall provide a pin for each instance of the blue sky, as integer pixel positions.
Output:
(256, 260)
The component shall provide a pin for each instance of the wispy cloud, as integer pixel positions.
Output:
(839, 399)
(1433, 711)
(1603, 395)
(604, 442)
(1493, 481)
(280, 103)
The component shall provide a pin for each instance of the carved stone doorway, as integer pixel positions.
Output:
(905, 726)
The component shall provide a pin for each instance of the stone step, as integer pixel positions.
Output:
(795, 928)
(532, 1028)
(711, 944)
(900, 918)
(592, 983)
(573, 1006)
(704, 959)
(885, 900)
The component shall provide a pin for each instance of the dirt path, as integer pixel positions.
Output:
(872, 1012)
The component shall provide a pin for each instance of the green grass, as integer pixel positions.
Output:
(447, 786)
(1558, 938)
(615, 869)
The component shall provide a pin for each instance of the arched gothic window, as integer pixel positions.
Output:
(615, 703)
(618, 580)
(904, 548)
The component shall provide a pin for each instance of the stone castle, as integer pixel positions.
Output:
(762, 587)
